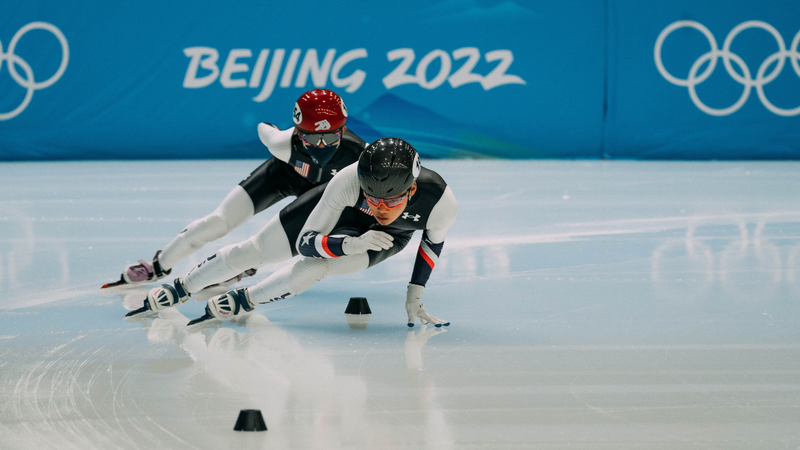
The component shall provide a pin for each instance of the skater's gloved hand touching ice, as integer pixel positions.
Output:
(230, 304)
(371, 240)
(415, 310)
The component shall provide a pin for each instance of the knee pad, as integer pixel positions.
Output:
(205, 230)
(243, 255)
(308, 271)
(348, 264)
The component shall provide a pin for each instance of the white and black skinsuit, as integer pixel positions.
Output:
(290, 172)
(336, 211)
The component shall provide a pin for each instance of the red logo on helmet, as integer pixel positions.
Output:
(318, 111)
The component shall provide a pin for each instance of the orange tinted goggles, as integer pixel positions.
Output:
(390, 203)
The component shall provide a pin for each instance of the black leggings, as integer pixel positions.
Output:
(271, 182)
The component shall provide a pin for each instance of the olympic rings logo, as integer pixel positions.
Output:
(762, 78)
(28, 82)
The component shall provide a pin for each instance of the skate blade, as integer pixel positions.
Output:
(136, 312)
(207, 317)
(142, 310)
(121, 282)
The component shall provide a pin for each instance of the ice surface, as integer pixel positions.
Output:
(603, 305)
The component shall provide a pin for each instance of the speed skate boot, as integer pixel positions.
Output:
(141, 272)
(163, 297)
(226, 306)
(144, 272)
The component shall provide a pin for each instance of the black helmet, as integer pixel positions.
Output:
(388, 167)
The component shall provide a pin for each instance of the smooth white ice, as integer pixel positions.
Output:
(602, 305)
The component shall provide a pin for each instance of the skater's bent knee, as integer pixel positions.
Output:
(207, 229)
(244, 255)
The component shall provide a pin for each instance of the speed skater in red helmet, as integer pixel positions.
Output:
(303, 157)
(320, 117)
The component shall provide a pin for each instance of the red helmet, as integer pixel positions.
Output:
(319, 111)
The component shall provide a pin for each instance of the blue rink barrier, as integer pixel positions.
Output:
(457, 78)
(703, 80)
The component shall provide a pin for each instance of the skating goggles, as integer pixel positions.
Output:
(327, 139)
(390, 203)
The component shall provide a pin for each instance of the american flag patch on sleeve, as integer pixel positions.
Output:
(301, 168)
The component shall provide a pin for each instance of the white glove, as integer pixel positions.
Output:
(230, 304)
(414, 308)
(371, 240)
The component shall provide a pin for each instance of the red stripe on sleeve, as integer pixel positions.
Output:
(426, 257)
(325, 247)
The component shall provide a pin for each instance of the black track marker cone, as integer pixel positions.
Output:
(358, 305)
(250, 420)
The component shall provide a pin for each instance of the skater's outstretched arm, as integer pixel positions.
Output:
(279, 142)
(442, 217)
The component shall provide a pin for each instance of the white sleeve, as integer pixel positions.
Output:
(279, 142)
(443, 215)
(342, 191)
